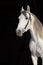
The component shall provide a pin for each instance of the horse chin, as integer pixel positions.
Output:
(20, 35)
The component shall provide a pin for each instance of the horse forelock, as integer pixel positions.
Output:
(24, 13)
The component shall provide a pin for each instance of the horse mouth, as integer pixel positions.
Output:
(20, 35)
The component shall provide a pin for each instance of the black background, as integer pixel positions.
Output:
(15, 50)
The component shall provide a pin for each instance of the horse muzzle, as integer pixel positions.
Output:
(19, 33)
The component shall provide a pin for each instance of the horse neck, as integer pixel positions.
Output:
(32, 31)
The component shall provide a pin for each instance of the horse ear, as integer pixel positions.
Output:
(22, 9)
(28, 8)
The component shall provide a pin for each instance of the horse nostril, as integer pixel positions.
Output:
(18, 32)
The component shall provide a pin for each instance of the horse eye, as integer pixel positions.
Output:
(26, 18)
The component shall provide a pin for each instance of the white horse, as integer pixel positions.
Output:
(28, 21)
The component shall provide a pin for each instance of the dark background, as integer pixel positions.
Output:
(15, 50)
